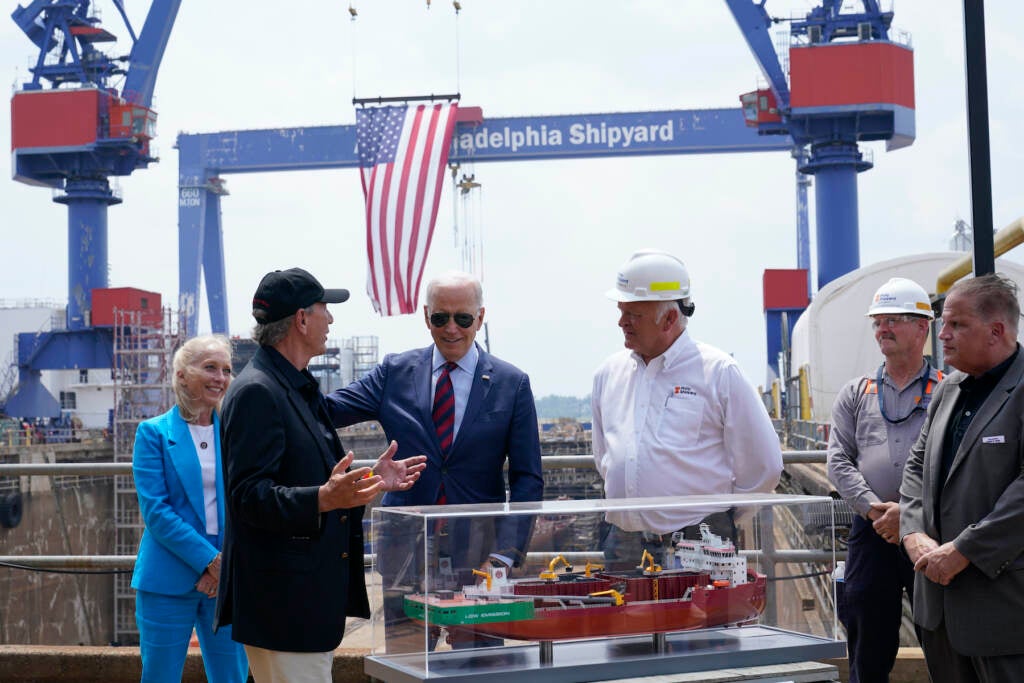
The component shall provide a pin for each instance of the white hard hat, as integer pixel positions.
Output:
(900, 295)
(651, 275)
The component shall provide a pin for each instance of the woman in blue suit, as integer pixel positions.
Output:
(178, 478)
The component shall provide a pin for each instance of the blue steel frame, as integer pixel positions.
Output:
(830, 134)
(831, 137)
(825, 139)
(83, 174)
(203, 158)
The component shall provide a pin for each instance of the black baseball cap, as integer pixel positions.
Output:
(283, 292)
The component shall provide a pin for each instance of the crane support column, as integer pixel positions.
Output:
(87, 201)
(201, 249)
(803, 228)
(835, 167)
(213, 259)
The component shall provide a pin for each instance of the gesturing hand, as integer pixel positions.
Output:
(398, 475)
(348, 489)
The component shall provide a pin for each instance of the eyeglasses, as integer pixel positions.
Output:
(463, 320)
(890, 321)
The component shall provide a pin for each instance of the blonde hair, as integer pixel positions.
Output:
(184, 359)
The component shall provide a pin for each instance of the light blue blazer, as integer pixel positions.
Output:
(175, 548)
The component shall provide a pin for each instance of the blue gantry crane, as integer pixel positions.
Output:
(849, 81)
(204, 158)
(71, 130)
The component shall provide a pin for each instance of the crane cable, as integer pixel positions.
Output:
(458, 47)
(353, 14)
(468, 241)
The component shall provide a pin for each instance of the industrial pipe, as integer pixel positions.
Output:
(1006, 239)
(83, 469)
(805, 393)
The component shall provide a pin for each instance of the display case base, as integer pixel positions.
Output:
(608, 659)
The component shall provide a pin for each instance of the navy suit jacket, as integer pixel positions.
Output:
(500, 423)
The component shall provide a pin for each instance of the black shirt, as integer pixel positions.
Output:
(309, 388)
(973, 392)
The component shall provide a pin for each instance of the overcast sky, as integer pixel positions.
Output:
(554, 232)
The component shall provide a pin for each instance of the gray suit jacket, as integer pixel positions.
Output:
(982, 513)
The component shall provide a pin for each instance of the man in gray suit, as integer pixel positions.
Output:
(962, 496)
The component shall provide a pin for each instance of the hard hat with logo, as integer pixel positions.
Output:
(651, 275)
(900, 295)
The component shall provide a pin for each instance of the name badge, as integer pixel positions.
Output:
(993, 439)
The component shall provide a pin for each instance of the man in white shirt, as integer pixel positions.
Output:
(673, 416)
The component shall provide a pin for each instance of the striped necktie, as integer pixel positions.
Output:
(444, 420)
(444, 408)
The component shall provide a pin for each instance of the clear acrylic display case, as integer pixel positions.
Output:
(584, 600)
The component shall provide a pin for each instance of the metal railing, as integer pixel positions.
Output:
(109, 562)
(11, 436)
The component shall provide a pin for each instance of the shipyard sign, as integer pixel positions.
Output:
(576, 134)
(666, 132)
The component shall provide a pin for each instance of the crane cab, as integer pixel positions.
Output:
(132, 121)
(759, 107)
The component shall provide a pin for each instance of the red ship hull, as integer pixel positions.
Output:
(652, 605)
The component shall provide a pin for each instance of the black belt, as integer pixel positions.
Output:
(663, 539)
(694, 529)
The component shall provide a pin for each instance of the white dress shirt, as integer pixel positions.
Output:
(687, 423)
(462, 381)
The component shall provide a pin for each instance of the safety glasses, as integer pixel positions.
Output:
(463, 320)
(891, 321)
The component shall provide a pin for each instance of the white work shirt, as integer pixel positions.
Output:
(688, 423)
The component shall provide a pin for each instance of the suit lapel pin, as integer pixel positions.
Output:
(485, 377)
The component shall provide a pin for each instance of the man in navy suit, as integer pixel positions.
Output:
(495, 421)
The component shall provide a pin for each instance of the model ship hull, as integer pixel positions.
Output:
(545, 610)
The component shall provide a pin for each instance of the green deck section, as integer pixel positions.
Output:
(471, 613)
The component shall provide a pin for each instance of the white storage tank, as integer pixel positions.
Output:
(833, 337)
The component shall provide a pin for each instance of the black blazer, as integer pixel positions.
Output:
(290, 574)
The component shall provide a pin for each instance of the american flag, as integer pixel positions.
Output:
(403, 153)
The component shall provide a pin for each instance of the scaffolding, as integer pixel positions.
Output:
(365, 352)
(142, 379)
(345, 361)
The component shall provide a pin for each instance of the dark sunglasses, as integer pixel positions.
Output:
(463, 320)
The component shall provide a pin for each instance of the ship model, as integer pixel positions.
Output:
(709, 585)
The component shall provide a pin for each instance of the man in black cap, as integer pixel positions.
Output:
(293, 552)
